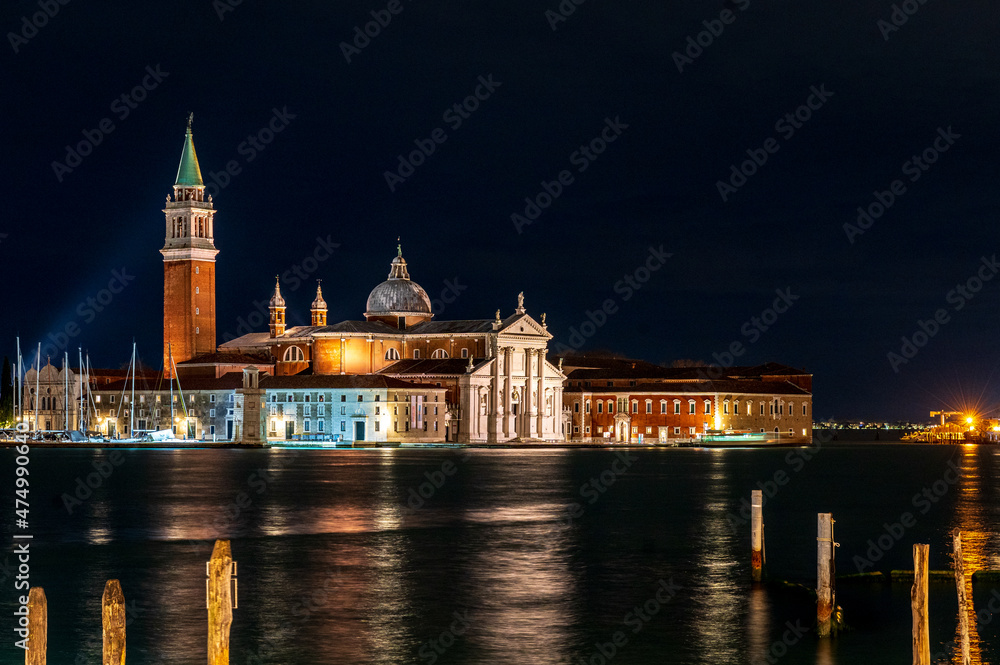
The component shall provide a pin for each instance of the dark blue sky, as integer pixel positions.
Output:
(883, 101)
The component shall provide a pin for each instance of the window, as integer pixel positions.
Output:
(587, 406)
(663, 406)
(211, 430)
(274, 398)
(649, 430)
(319, 426)
(635, 430)
(416, 353)
(439, 353)
(322, 398)
(761, 408)
(649, 407)
(290, 398)
(308, 398)
(677, 430)
(343, 410)
(197, 270)
(293, 354)
(725, 406)
(376, 425)
(708, 407)
(361, 398)
(306, 410)
(435, 410)
(97, 398)
(274, 409)
(465, 353)
(600, 407)
(197, 311)
(378, 411)
(343, 398)
(211, 398)
(392, 354)
(197, 289)
(691, 408)
(576, 407)
(111, 399)
(635, 406)
(321, 409)
(691, 431)
(378, 398)
(436, 426)
(803, 408)
(611, 406)
(197, 330)
(587, 430)
(305, 425)
(425, 425)
(211, 413)
(343, 425)
(677, 407)
(749, 406)
(791, 432)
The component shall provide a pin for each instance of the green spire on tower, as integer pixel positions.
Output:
(188, 172)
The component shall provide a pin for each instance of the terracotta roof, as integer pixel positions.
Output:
(427, 366)
(338, 382)
(228, 359)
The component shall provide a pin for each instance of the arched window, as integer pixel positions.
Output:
(392, 354)
(725, 406)
(293, 354)
(690, 406)
(708, 407)
(439, 353)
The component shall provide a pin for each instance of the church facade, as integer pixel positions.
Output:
(496, 380)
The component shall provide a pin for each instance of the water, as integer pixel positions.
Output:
(335, 567)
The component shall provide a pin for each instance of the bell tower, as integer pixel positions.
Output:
(188, 263)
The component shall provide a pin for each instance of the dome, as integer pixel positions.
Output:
(398, 295)
(318, 302)
(276, 299)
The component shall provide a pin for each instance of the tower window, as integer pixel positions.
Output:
(197, 311)
(197, 331)
(197, 270)
(197, 289)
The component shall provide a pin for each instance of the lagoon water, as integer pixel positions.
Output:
(338, 561)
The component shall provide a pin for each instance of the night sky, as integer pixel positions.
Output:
(880, 96)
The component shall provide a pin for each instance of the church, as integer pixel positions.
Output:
(497, 381)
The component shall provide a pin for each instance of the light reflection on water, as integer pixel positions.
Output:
(335, 568)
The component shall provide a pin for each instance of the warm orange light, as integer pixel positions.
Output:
(969, 420)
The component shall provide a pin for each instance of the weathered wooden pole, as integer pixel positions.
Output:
(756, 535)
(918, 606)
(220, 603)
(963, 601)
(113, 623)
(38, 627)
(825, 595)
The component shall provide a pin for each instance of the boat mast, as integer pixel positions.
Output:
(66, 391)
(38, 374)
(170, 360)
(79, 416)
(18, 397)
(131, 411)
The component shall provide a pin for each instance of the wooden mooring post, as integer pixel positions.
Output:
(38, 627)
(220, 603)
(963, 601)
(757, 535)
(826, 597)
(918, 606)
(113, 623)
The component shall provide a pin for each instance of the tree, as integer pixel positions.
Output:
(7, 389)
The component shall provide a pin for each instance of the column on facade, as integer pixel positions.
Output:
(491, 423)
(540, 399)
(528, 403)
(508, 385)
